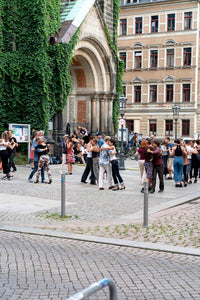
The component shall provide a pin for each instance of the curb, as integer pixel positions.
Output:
(102, 240)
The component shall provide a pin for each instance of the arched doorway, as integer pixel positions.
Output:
(91, 101)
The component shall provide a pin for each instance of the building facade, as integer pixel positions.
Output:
(93, 68)
(159, 44)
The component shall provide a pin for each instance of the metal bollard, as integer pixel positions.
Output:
(62, 195)
(146, 196)
(84, 294)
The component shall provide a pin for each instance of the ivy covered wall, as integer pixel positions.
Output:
(34, 74)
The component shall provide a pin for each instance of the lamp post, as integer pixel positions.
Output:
(176, 110)
(122, 107)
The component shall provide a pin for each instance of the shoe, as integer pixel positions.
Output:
(180, 185)
(50, 181)
(123, 188)
(190, 182)
(160, 191)
(111, 187)
(4, 178)
(36, 181)
(30, 180)
(169, 178)
(93, 183)
(177, 185)
(115, 188)
(142, 190)
(185, 184)
(151, 191)
(14, 170)
(43, 181)
(195, 181)
(83, 181)
(101, 189)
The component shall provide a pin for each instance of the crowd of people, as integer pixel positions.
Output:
(163, 159)
(98, 155)
(8, 145)
(180, 160)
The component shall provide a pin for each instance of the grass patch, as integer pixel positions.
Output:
(54, 216)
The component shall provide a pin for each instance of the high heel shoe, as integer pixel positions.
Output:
(115, 189)
(50, 181)
(36, 181)
(123, 188)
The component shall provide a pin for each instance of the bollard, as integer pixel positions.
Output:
(84, 294)
(146, 196)
(62, 195)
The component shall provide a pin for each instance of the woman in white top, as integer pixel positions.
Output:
(115, 168)
(4, 144)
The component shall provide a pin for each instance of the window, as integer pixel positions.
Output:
(152, 127)
(171, 22)
(170, 57)
(138, 25)
(185, 127)
(186, 92)
(123, 26)
(122, 56)
(169, 93)
(187, 55)
(188, 20)
(154, 24)
(154, 58)
(129, 126)
(128, 1)
(153, 93)
(138, 59)
(169, 127)
(137, 93)
(124, 90)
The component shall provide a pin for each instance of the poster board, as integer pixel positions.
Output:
(22, 134)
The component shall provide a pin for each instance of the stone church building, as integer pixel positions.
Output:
(93, 68)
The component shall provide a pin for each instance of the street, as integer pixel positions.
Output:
(34, 267)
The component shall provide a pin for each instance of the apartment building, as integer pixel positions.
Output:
(159, 44)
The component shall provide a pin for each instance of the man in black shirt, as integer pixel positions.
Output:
(12, 150)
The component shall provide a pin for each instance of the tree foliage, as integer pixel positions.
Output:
(34, 75)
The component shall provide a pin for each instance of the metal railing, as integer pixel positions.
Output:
(96, 287)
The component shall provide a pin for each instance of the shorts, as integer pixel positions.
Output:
(149, 169)
(170, 161)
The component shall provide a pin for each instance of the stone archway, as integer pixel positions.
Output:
(91, 99)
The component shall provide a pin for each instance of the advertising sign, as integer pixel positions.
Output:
(21, 132)
(125, 134)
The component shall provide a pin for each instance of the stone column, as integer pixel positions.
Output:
(102, 115)
(94, 119)
(110, 115)
(97, 114)
(106, 115)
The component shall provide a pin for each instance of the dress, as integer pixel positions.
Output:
(70, 155)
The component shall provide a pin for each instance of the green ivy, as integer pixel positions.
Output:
(34, 75)
(120, 64)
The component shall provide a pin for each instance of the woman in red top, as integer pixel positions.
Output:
(141, 151)
(70, 154)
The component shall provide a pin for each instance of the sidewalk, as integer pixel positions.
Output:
(105, 213)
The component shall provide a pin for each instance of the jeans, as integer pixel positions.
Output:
(115, 173)
(159, 169)
(178, 168)
(11, 162)
(88, 169)
(35, 170)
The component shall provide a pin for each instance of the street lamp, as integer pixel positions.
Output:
(122, 108)
(176, 110)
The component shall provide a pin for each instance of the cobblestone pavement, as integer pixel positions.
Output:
(34, 267)
(21, 201)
